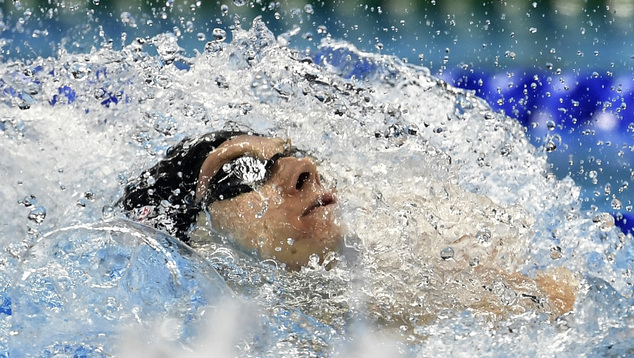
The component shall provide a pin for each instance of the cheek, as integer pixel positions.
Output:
(246, 219)
(233, 217)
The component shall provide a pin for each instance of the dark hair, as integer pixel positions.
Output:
(169, 187)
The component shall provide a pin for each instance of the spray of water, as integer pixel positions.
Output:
(454, 222)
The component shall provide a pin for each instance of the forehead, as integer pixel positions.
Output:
(258, 147)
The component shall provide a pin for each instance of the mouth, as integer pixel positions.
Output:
(322, 200)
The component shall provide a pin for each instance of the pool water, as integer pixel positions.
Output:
(416, 161)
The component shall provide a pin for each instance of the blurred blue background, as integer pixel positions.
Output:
(563, 68)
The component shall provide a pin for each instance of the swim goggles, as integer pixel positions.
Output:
(244, 174)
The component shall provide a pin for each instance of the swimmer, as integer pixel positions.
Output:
(262, 193)
(268, 198)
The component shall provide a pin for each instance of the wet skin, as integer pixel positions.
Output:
(288, 218)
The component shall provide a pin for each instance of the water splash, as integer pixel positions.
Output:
(420, 166)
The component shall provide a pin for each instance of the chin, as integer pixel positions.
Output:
(298, 254)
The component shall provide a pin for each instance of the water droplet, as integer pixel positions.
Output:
(37, 214)
(224, 9)
(605, 221)
(89, 195)
(128, 19)
(261, 241)
(505, 294)
(555, 252)
(308, 8)
(532, 30)
(201, 36)
(108, 211)
(550, 146)
(28, 200)
(221, 82)
(313, 261)
(483, 237)
(219, 34)
(290, 241)
(446, 253)
(616, 204)
(239, 2)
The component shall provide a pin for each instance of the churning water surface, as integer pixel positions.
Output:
(437, 192)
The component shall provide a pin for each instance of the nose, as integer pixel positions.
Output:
(297, 175)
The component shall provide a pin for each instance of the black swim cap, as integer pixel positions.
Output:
(166, 192)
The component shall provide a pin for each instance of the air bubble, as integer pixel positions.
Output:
(239, 2)
(290, 241)
(308, 8)
(224, 9)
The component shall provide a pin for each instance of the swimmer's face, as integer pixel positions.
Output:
(286, 214)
